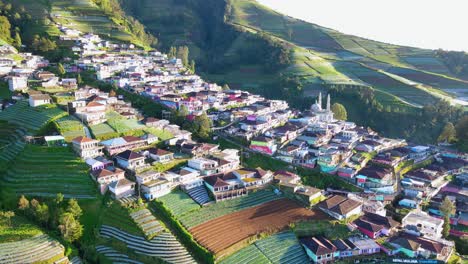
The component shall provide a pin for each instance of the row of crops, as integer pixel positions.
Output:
(38, 249)
(179, 203)
(164, 245)
(31, 118)
(45, 171)
(194, 217)
(70, 127)
(278, 248)
(147, 223)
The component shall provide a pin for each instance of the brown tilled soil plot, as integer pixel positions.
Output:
(220, 233)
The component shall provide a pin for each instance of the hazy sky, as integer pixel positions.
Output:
(420, 23)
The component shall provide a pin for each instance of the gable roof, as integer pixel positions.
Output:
(159, 152)
(384, 221)
(332, 202)
(129, 155)
(120, 183)
(82, 139)
(318, 245)
(216, 181)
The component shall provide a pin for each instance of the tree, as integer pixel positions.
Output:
(7, 215)
(74, 208)
(192, 66)
(34, 203)
(23, 203)
(17, 40)
(339, 111)
(79, 80)
(61, 69)
(69, 227)
(448, 134)
(202, 126)
(112, 93)
(42, 213)
(183, 54)
(5, 28)
(226, 87)
(172, 52)
(462, 128)
(447, 209)
(59, 198)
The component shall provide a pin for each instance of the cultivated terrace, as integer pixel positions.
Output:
(125, 155)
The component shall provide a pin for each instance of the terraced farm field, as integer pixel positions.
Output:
(37, 249)
(196, 217)
(46, 171)
(179, 203)
(11, 142)
(164, 245)
(70, 127)
(103, 131)
(278, 249)
(31, 118)
(238, 226)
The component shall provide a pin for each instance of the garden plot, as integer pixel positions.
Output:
(239, 226)
(40, 248)
(115, 255)
(279, 248)
(46, 171)
(164, 245)
(11, 142)
(147, 223)
(31, 118)
(70, 127)
(103, 131)
(179, 203)
(196, 217)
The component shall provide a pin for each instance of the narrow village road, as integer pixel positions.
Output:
(87, 132)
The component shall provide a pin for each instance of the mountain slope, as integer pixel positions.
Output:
(251, 47)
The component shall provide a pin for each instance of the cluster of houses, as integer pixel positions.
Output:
(128, 165)
(419, 235)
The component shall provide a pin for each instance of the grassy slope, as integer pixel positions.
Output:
(329, 48)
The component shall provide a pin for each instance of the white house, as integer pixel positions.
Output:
(87, 147)
(130, 160)
(39, 99)
(17, 83)
(421, 223)
(122, 188)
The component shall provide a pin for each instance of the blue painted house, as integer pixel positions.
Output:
(319, 249)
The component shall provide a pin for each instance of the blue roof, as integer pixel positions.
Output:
(114, 142)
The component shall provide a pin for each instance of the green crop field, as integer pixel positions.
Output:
(179, 203)
(103, 131)
(70, 127)
(31, 118)
(279, 248)
(20, 229)
(45, 171)
(203, 214)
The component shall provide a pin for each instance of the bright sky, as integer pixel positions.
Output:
(420, 23)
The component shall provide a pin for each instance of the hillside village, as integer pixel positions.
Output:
(391, 212)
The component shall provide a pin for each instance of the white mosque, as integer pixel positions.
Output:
(323, 115)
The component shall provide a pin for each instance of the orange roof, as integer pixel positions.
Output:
(82, 139)
(95, 104)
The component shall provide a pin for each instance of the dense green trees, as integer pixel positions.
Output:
(55, 215)
(113, 9)
(447, 209)
(339, 111)
(6, 216)
(448, 133)
(5, 27)
(418, 125)
(43, 44)
(456, 61)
